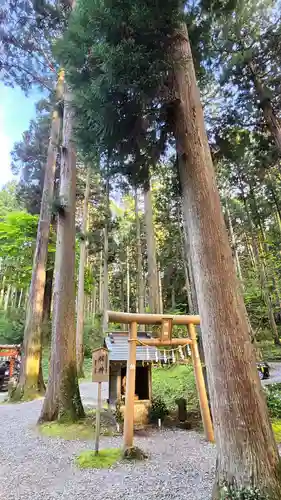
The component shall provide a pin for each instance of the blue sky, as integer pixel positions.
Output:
(16, 111)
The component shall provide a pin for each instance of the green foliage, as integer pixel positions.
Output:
(93, 336)
(8, 200)
(12, 326)
(17, 241)
(231, 492)
(158, 409)
(119, 416)
(273, 396)
(270, 351)
(175, 382)
(104, 460)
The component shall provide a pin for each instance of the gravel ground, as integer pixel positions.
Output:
(33, 467)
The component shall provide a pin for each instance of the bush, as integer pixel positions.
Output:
(12, 326)
(273, 396)
(158, 409)
(234, 493)
(174, 382)
(93, 336)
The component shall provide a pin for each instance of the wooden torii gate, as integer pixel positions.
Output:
(166, 322)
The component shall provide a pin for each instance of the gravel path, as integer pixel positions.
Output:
(33, 467)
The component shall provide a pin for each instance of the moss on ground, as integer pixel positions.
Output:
(82, 429)
(276, 426)
(104, 460)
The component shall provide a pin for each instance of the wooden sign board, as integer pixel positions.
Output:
(100, 368)
(166, 328)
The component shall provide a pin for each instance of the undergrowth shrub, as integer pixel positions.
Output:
(273, 396)
(229, 492)
(158, 409)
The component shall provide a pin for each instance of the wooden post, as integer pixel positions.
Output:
(98, 412)
(130, 388)
(201, 388)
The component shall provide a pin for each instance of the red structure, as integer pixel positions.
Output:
(10, 353)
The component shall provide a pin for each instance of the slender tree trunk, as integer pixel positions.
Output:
(81, 279)
(272, 121)
(30, 383)
(62, 399)
(193, 304)
(173, 298)
(13, 297)
(2, 293)
(262, 275)
(233, 244)
(140, 280)
(160, 290)
(151, 251)
(128, 278)
(94, 301)
(7, 298)
(20, 298)
(101, 283)
(105, 262)
(247, 454)
(48, 292)
(250, 251)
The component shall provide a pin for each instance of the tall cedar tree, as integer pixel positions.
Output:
(143, 70)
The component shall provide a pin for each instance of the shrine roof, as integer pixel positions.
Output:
(118, 346)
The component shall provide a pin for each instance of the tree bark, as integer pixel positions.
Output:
(62, 399)
(140, 280)
(81, 279)
(247, 454)
(30, 382)
(151, 251)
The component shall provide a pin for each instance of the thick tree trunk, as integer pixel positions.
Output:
(62, 399)
(30, 383)
(272, 121)
(81, 279)
(151, 251)
(140, 280)
(105, 263)
(247, 454)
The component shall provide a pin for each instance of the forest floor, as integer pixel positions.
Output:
(181, 464)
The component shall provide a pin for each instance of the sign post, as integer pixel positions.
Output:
(100, 374)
